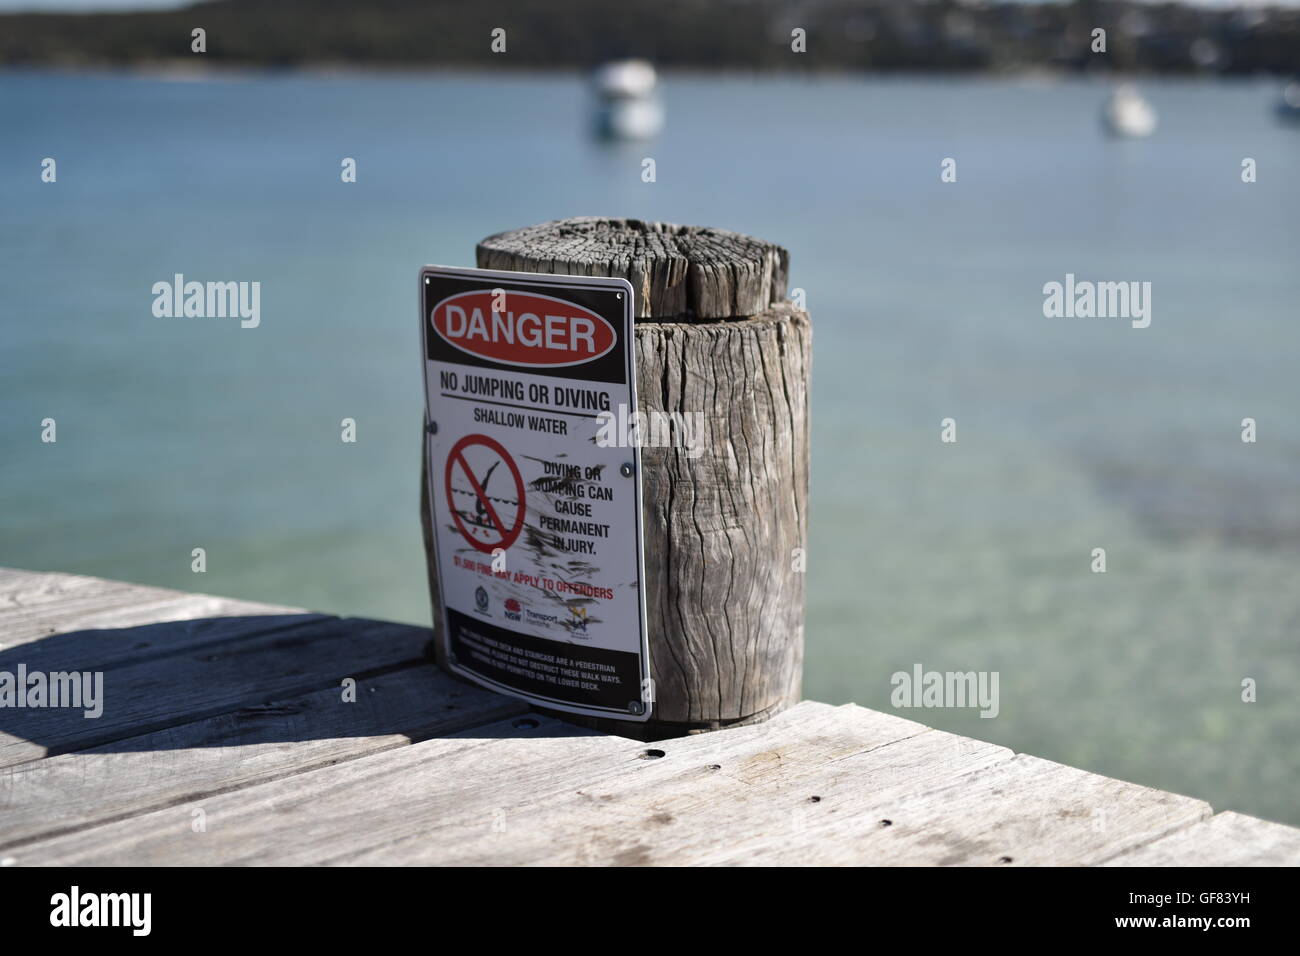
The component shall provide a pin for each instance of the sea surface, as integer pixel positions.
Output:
(927, 298)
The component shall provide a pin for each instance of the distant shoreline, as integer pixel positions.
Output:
(182, 71)
(832, 36)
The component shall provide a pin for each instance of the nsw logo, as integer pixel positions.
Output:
(513, 610)
(522, 328)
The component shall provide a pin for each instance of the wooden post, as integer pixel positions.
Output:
(725, 532)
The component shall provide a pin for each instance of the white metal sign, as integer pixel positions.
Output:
(535, 502)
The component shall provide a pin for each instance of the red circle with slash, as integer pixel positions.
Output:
(486, 518)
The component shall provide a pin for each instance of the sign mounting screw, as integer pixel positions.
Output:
(626, 469)
(431, 428)
(636, 707)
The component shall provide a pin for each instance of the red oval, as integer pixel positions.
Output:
(522, 328)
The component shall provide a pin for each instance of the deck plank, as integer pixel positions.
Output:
(949, 800)
(238, 749)
(156, 693)
(519, 798)
(716, 795)
(313, 816)
(1026, 811)
(37, 609)
(1226, 839)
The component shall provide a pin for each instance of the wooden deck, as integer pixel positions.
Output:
(225, 739)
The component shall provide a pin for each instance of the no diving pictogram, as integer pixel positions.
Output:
(487, 509)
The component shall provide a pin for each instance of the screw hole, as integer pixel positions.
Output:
(814, 799)
(652, 755)
(1004, 859)
(886, 823)
(715, 766)
(526, 723)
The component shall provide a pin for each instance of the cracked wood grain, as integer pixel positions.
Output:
(679, 273)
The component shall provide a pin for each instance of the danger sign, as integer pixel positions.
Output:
(537, 516)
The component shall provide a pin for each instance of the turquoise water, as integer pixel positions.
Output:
(1072, 433)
